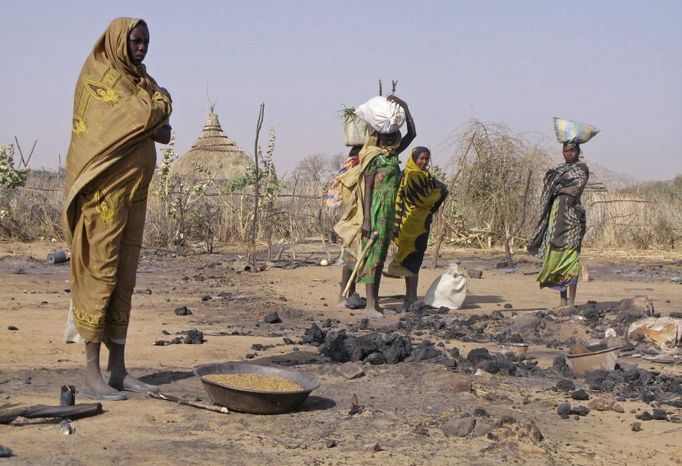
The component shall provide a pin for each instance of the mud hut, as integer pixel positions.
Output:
(214, 152)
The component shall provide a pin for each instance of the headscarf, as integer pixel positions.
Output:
(117, 105)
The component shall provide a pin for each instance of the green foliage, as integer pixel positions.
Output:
(10, 176)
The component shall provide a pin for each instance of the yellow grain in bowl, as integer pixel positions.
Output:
(255, 382)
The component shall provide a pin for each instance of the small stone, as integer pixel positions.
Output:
(350, 371)
(354, 301)
(645, 416)
(364, 323)
(12, 328)
(330, 443)
(601, 404)
(5, 452)
(473, 273)
(272, 318)
(376, 359)
(483, 427)
(283, 299)
(564, 409)
(636, 426)
(206, 297)
(508, 306)
(183, 311)
(288, 341)
(565, 385)
(373, 447)
(580, 410)
(459, 383)
(617, 408)
(459, 427)
(580, 395)
(659, 415)
(480, 412)
(250, 356)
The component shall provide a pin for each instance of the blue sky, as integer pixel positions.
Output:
(615, 64)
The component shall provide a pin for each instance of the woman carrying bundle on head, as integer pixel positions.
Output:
(368, 191)
(419, 197)
(562, 225)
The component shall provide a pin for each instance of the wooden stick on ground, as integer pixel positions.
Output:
(359, 261)
(193, 404)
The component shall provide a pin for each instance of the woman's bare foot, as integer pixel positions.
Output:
(131, 384)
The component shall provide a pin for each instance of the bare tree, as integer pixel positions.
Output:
(314, 167)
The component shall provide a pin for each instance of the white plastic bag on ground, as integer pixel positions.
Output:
(383, 116)
(355, 132)
(449, 290)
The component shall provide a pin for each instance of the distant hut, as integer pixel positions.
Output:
(215, 152)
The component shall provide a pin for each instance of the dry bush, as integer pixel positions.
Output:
(486, 205)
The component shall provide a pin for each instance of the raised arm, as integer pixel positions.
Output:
(411, 130)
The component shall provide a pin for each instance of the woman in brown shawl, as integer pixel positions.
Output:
(119, 112)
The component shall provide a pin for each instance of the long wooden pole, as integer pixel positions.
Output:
(359, 261)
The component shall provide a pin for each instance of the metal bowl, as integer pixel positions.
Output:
(583, 363)
(519, 349)
(256, 402)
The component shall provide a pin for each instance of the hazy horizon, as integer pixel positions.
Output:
(613, 64)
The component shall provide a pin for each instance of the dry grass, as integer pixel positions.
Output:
(642, 218)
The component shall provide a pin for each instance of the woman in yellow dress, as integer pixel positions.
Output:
(119, 112)
(419, 197)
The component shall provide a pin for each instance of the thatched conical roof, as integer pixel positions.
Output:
(215, 152)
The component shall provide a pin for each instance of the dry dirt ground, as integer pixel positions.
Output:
(406, 405)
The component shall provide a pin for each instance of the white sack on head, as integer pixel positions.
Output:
(383, 116)
(449, 290)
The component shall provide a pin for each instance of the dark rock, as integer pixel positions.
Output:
(565, 385)
(365, 345)
(564, 409)
(376, 359)
(424, 352)
(459, 427)
(250, 355)
(645, 416)
(259, 347)
(12, 328)
(491, 366)
(354, 301)
(314, 335)
(580, 395)
(454, 352)
(676, 315)
(561, 367)
(659, 415)
(636, 427)
(580, 410)
(443, 310)
(480, 412)
(288, 341)
(194, 337)
(497, 315)
(272, 318)
(330, 443)
(397, 349)
(364, 323)
(5, 452)
(477, 355)
(206, 297)
(508, 306)
(327, 323)
(334, 346)
(183, 311)
(283, 299)
(418, 307)
(165, 332)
